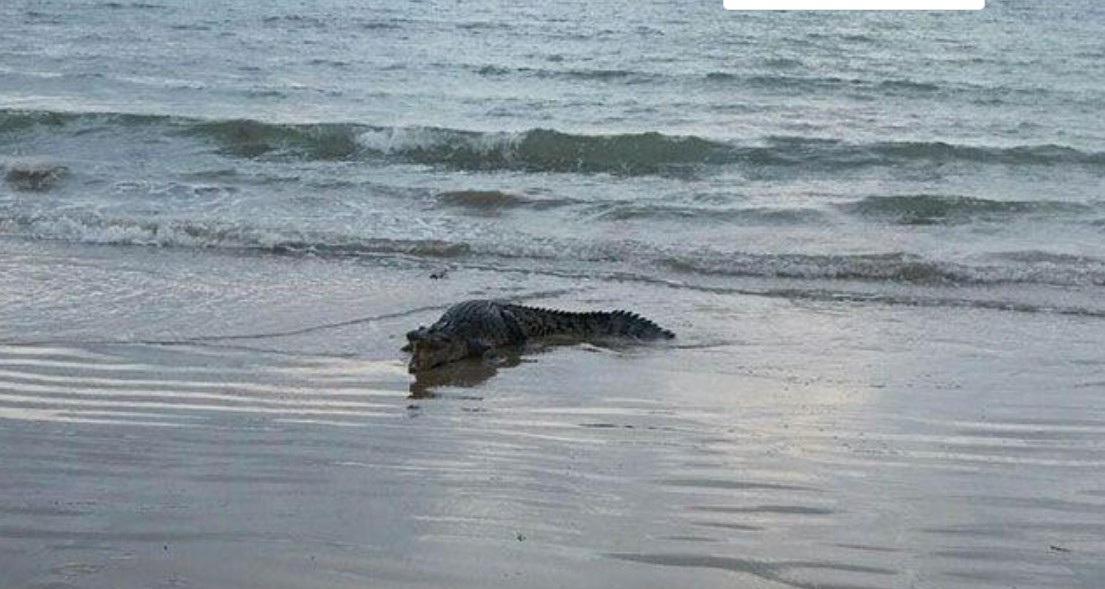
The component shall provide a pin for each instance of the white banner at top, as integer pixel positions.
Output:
(855, 4)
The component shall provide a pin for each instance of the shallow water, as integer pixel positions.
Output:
(775, 443)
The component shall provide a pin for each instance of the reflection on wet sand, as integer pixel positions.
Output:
(770, 571)
(466, 373)
(813, 462)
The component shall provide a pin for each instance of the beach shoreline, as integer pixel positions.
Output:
(877, 236)
(774, 443)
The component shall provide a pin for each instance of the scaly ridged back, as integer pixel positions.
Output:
(481, 320)
(538, 322)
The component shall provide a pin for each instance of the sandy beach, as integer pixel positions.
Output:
(774, 444)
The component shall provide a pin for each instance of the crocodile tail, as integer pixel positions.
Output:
(539, 322)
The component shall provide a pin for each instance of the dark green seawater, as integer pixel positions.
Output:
(672, 141)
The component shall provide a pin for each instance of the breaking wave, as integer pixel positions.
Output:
(248, 138)
(543, 150)
(896, 267)
(892, 267)
(98, 229)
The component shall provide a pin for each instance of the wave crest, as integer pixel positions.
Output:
(247, 138)
(1029, 267)
(888, 267)
(543, 150)
(547, 150)
(97, 229)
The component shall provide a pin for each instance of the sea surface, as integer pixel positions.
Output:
(873, 154)
(879, 236)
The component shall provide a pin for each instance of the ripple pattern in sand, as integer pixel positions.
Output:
(112, 451)
(152, 385)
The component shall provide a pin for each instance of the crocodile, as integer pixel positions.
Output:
(476, 328)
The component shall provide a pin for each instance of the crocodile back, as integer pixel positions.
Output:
(537, 322)
(480, 320)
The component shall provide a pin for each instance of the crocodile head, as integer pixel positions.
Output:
(430, 348)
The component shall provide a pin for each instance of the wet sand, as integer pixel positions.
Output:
(184, 419)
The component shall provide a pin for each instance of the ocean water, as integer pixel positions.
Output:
(880, 238)
(852, 154)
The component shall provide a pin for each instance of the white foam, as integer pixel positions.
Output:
(399, 140)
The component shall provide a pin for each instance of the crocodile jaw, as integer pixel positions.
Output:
(429, 352)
